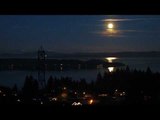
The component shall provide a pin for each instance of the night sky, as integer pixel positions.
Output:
(79, 33)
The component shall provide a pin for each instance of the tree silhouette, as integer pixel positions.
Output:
(50, 84)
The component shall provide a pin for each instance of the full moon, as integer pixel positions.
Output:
(110, 26)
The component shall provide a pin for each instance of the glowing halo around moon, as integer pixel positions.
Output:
(110, 29)
(110, 26)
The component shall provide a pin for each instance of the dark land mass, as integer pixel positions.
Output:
(54, 64)
(119, 92)
(56, 55)
(121, 87)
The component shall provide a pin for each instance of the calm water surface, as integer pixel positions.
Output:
(9, 78)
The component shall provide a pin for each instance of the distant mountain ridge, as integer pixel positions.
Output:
(51, 54)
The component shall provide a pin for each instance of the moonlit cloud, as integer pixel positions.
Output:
(74, 33)
(123, 32)
(115, 33)
(116, 20)
(132, 19)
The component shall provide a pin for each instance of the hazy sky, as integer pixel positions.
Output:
(79, 33)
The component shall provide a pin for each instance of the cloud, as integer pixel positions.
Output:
(123, 33)
(110, 34)
(118, 33)
(132, 19)
(115, 20)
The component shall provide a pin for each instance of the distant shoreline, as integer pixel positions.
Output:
(55, 55)
(55, 64)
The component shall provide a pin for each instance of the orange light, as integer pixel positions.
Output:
(91, 101)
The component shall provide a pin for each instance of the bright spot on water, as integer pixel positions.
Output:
(110, 59)
(111, 69)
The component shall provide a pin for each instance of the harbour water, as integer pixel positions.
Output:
(9, 78)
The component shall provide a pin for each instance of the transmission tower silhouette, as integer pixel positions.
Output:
(41, 67)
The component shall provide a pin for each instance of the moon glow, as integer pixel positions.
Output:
(110, 25)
